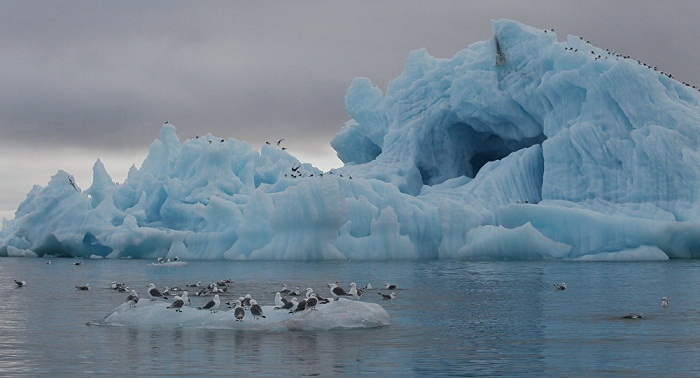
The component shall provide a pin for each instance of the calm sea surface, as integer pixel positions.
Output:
(450, 319)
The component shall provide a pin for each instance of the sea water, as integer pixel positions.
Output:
(449, 318)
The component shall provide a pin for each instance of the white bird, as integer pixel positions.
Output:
(185, 298)
(284, 290)
(279, 301)
(256, 310)
(353, 291)
(21, 283)
(664, 302)
(212, 305)
(389, 286)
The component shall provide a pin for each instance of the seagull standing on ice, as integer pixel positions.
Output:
(239, 312)
(312, 301)
(256, 310)
(154, 292)
(338, 291)
(664, 302)
(177, 304)
(132, 299)
(212, 305)
(279, 301)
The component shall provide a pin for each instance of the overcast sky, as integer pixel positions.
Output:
(83, 80)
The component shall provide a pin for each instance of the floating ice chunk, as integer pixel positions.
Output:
(642, 253)
(335, 315)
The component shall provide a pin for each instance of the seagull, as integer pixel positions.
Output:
(353, 291)
(154, 292)
(279, 301)
(664, 302)
(338, 291)
(77, 263)
(284, 290)
(296, 292)
(239, 312)
(195, 285)
(212, 305)
(21, 283)
(392, 295)
(256, 310)
(561, 286)
(312, 301)
(280, 141)
(389, 286)
(185, 298)
(309, 291)
(177, 304)
(247, 301)
(630, 315)
(132, 299)
(83, 288)
(301, 306)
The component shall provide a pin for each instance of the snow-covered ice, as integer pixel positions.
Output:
(518, 147)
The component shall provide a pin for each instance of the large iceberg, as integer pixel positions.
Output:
(518, 147)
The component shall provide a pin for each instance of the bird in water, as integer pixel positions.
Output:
(664, 302)
(391, 295)
(83, 288)
(561, 286)
(21, 283)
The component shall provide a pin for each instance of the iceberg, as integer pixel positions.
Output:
(343, 314)
(519, 147)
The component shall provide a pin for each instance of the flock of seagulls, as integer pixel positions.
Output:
(610, 54)
(298, 302)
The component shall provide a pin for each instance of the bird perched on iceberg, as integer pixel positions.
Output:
(212, 305)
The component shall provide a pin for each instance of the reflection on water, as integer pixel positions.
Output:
(453, 318)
